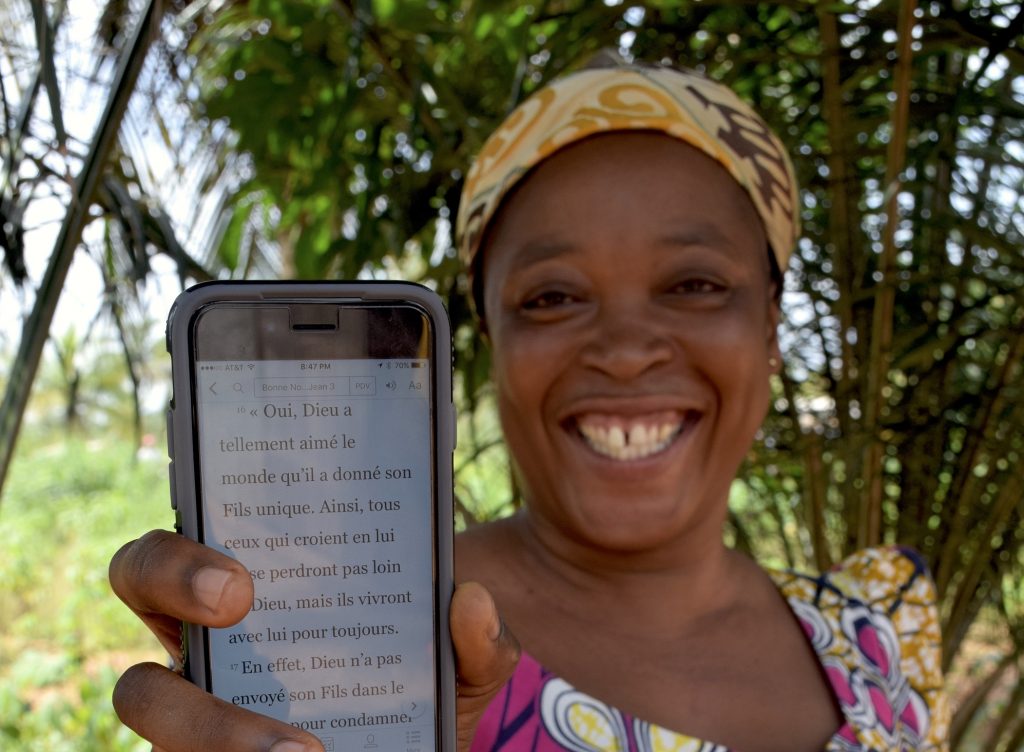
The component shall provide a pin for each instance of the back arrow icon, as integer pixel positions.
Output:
(212, 385)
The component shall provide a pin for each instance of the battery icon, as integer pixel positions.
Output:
(416, 364)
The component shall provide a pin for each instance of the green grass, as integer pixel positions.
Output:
(64, 636)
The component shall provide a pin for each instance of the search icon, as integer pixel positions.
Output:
(237, 387)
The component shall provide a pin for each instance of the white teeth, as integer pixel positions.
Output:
(616, 438)
(643, 441)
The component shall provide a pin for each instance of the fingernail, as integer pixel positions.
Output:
(208, 585)
(496, 628)
(289, 745)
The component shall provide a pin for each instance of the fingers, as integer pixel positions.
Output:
(167, 579)
(177, 716)
(486, 655)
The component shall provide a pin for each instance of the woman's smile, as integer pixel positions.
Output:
(629, 438)
(629, 429)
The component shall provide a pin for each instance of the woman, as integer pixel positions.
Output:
(624, 229)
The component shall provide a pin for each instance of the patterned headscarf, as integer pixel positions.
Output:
(680, 103)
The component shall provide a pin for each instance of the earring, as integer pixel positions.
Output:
(773, 362)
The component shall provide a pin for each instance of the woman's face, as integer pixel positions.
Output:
(627, 295)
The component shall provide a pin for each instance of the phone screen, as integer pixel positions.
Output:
(316, 474)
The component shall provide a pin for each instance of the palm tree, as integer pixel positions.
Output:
(101, 135)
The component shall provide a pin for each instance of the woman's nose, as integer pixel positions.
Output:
(625, 343)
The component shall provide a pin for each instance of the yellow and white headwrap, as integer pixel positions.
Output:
(680, 103)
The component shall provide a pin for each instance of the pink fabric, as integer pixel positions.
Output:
(860, 656)
(512, 721)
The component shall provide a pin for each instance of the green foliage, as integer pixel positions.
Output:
(64, 636)
(66, 711)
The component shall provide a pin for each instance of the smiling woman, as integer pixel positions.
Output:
(624, 229)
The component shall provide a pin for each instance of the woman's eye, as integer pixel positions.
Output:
(547, 299)
(699, 285)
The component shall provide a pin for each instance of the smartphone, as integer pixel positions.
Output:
(311, 432)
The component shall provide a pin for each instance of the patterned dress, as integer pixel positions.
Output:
(873, 624)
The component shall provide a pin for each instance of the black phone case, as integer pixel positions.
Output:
(183, 448)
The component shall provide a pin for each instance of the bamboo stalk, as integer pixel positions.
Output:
(870, 529)
(964, 487)
(1010, 711)
(816, 484)
(778, 514)
(981, 558)
(970, 706)
(1016, 740)
(841, 209)
(815, 478)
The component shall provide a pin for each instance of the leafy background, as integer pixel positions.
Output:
(329, 138)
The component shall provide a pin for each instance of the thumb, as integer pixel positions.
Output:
(486, 654)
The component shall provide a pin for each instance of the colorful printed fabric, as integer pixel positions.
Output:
(873, 624)
(680, 103)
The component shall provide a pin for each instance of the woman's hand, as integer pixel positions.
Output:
(166, 579)
(486, 654)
